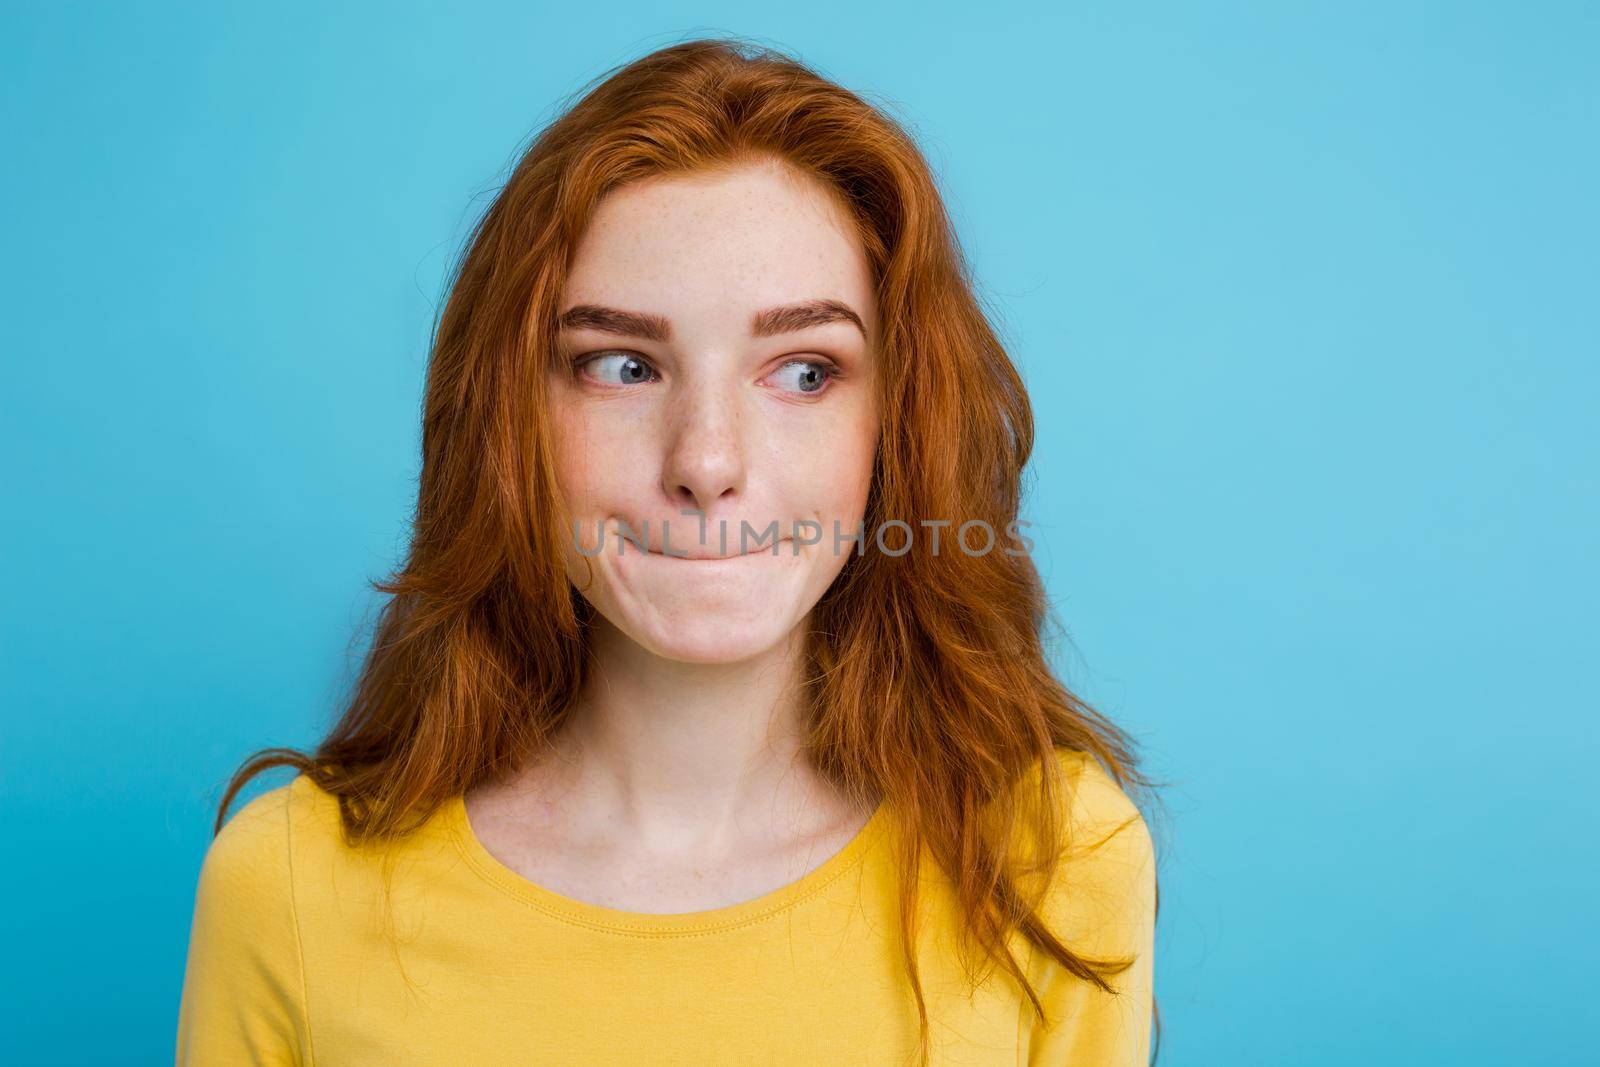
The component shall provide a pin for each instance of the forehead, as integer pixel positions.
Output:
(717, 245)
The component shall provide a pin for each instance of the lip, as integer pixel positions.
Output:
(764, 550)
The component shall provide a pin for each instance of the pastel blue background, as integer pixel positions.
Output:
(1306, 299)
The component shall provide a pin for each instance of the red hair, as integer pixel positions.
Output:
(926, 673)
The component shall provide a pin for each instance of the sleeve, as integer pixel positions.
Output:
(1102, 907)
(243, 988)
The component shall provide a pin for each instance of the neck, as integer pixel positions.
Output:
(672, 757)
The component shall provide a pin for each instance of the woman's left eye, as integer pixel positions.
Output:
(809, 375)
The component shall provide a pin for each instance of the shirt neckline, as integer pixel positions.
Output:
(653, 924)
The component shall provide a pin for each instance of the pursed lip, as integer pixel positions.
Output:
(691, 556)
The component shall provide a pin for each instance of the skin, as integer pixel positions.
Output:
(680, 783)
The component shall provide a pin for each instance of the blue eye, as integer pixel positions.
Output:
(813, 374)
(631, 369)
(805, 376)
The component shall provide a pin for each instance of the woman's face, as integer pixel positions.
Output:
(713, 376)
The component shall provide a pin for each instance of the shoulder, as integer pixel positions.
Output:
(243, 988)
(251, 857)
(247, 904)
(1102, 893)
(1096, 804)
(1100, 903)
(1089, 802)
(252, 848)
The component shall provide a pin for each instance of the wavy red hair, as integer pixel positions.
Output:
(928, 684)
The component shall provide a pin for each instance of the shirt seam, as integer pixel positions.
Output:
(1022, 1008)
(294, 916)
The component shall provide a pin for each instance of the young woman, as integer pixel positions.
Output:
(709, 720)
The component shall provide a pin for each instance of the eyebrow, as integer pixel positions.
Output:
(768, 323)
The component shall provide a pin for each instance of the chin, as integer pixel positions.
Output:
(710, 637)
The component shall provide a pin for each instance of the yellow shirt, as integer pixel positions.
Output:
(289, 961)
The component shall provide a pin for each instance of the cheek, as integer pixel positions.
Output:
(865, 460)
(584, 460)
(830, 471)
(855, 451)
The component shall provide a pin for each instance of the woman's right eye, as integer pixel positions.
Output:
(628, 368)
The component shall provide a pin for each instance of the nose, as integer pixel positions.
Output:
(705, 461)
